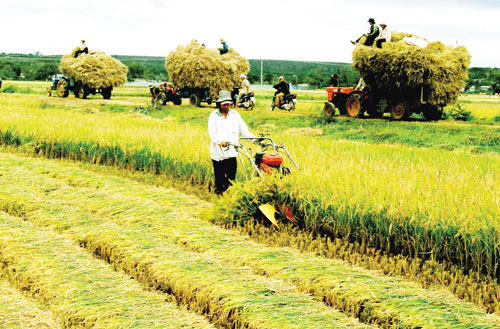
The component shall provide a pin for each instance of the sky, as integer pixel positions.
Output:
(304, 30)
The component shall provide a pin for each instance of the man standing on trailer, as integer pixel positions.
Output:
(225, 126)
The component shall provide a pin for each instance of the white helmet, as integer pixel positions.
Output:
(243, 75)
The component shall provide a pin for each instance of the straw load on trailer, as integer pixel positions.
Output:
(429, 76)
(194, 68)
(90, 73)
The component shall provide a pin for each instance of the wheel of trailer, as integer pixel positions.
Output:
(329, 109)
(81, 92)
(432, 113)
(106, 93)
(400, 110)
(354, 106)
(194, 100)
(62, 88)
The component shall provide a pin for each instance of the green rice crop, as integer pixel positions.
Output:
(418, 202)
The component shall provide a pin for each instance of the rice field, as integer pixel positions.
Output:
(392, 235)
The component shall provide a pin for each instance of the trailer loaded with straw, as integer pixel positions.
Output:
(403, 78)
(90, 73)
(200, 73)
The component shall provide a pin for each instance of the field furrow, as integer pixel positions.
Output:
(18, 311)
(80, 290)
(121, 220)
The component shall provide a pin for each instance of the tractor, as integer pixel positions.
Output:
(63, 85)
(376, 101)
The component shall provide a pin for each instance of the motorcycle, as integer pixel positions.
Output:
(286, 103)
(246, 101)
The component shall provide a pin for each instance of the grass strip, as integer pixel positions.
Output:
(232, 296)
(18, 311)
(365, 294)
(79, 289)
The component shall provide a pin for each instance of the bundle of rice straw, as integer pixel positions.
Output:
(400, 69)
(195, 66)
(95, 69)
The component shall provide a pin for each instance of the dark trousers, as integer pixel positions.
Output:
(224, 171)
(84, 50)
(379, 42)
(369, 40)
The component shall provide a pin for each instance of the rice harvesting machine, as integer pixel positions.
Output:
(268, 162)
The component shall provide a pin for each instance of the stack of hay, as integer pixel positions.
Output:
(400, 68)
(194, 66)
(96, 69)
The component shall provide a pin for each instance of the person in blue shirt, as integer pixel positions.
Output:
(225, 48)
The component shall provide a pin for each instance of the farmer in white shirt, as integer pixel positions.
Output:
(385, 35)
(225, 126)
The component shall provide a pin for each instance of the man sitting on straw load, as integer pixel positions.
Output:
(225, 48)
(370, 37)
(385, 35)
(83, 49)
(225, 126)
(244, 89)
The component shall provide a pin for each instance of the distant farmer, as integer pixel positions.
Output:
(334, 80)
(385, 35)
(282, 89)
(361, 85)
(225, 48)
(83, 49)
(370, 37)
(225, 126)
(0, 83)
(244, 89)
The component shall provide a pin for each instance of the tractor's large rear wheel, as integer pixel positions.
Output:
(400, 110)
(62, 88)
(354, 105)
(329, 109)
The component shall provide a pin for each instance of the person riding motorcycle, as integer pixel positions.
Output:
(282, 89)
(244, 89)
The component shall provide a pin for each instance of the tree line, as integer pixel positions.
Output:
(315, 74)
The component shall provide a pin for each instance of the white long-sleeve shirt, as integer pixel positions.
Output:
(227, 129)
(385, 34)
